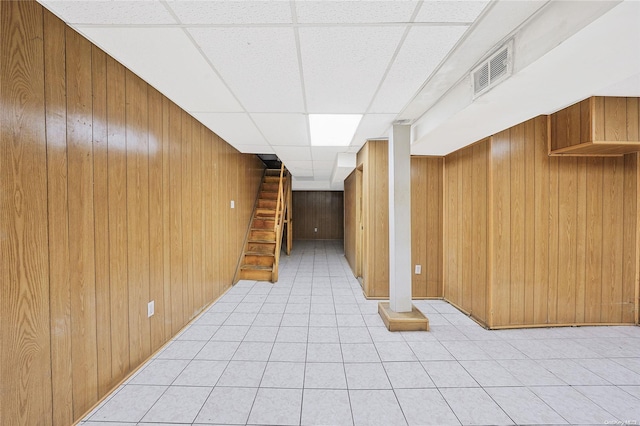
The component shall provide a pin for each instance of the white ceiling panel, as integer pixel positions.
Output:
(325, 153)
(254, 149)
(111, 12)
(261, 64)
(323, 168)
(422, 51)
(300, 168)
(372, 126)
(343, 66)
(283, 129)
(450, 11)
(337, 11)
(166, 59)
(236, 129)
(232, 12)
(293, 153)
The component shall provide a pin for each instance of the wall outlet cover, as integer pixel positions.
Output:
(233, 204)
(150, 308)
(418, 269)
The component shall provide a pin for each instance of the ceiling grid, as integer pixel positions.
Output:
(252, 71)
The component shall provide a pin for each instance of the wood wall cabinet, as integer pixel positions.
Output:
(110, 196)
(597, 126)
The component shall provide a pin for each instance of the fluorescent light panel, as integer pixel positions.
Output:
(333, 129)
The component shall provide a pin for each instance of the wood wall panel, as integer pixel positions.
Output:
(59, 289)
(426, 221)
(466, 219)
(118, 268)
(323, 210)
(156, 251)
(101, 213)
(558, 243)
(137, 134)
(81, 222)
(578, 225)
(25, 355)
(426, 225)
(350, 219)
(110, 198)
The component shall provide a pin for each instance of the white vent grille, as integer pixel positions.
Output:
(492, 70)
(481, 78)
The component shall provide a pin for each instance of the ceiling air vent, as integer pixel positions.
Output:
(492, 70)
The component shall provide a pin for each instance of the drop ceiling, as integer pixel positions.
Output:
(252, 71)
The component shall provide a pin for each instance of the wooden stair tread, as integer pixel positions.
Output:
(262, 241)
(258, 253)
(257, 267)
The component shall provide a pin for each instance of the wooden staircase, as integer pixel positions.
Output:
(271, 217)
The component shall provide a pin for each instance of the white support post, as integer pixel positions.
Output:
(400, 219)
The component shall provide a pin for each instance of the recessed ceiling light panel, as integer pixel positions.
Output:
(333, 129)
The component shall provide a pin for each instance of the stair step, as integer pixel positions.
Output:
(270, 204)
(256, 268)
(274, 179)
(269, 195)
(263, 223)
(258, 253)
(255, 274)
(270, 187)
(261, 259)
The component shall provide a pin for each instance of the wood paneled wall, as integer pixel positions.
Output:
(323, 210)
(350, 219)
(374, 159)
(564, 233)
(533, 240)
(466, 229)
(111, 196)
(426, 225)
(426, 221)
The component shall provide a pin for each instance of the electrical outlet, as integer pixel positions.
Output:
(315, 229)
(418, 269)
(150, 308)
(233, 204)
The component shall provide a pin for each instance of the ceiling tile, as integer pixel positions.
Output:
(254, 149)
(422, 51)
(338, 12)
(325, 153)
(299, 168)
(450, 11)
(372, 126)
(283, 129)
(293, 153)
(343, 65)
(166, 59)
(236, 129)
(111, 12)
(259, 64)
(323, 168)
(232, 12)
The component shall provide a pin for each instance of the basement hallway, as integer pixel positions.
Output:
(310, 349)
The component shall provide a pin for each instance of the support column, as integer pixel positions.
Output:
(399, 314)
(400, 218)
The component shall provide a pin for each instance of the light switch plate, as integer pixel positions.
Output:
(233, 204)
(418, 269)
(150, 308)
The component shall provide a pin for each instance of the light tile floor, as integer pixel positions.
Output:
(312, 350)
